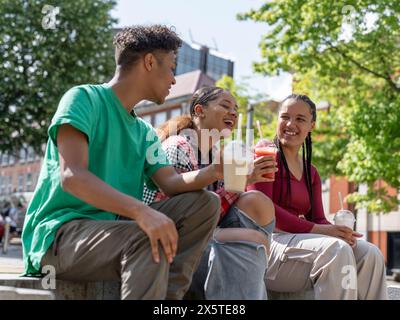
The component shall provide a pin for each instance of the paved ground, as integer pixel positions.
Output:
(12, 261)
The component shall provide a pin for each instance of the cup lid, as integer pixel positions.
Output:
(344, 214)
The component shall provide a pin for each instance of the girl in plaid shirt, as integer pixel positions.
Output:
(248, 216)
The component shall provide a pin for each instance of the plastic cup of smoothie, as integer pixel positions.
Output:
(237, 165)
(263, 149)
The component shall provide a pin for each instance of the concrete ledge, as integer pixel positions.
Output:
(394, 292)
(67, 290)
(11, 293)
(302, 295)
(14, 287)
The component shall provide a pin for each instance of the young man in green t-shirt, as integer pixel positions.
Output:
(98, 156)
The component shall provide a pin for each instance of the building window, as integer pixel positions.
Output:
(28, 182)
(20, 185)
(189, 59)
(217, 67)
(160, 118)
(31, 154)
(176, 112)
(11, 160)
(22, 155)
(4, 159)
(2, 181)
(393, 251)
(185, 108)
(10, 185)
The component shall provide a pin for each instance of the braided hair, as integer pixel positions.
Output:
(306, 150)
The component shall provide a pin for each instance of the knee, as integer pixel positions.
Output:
(212, 200)
(133, 236)
(373, 252)
(257, 203)
(251, 196)
(341, 250)
(211, 203)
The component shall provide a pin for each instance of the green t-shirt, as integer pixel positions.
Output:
(124, 151)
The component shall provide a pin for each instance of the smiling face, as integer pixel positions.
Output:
(295, 121)
(220, 114)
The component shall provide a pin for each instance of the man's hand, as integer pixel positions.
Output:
(341, 232)
(158, 227)
(262, 166)
(78, 181)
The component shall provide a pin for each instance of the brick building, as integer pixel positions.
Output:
(19, 173)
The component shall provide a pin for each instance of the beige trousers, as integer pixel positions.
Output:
(89, 250)
(328, 265)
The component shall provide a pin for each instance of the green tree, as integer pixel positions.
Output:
(344, 52)
(244, 99)
(45, 50)
(238, 90)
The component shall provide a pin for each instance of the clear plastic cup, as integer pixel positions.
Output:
(238, 160)
(270, 150)
(345, 218)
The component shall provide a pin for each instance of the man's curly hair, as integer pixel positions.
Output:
(130, 43)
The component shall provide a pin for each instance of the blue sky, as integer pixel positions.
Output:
(211, 22)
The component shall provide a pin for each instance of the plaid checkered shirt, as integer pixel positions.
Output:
(184, 156)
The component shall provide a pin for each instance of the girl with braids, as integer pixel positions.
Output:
(237, 265)
(306, 250)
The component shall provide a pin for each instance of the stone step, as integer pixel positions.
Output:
(110, 290)
(12, 293)
(394, 292)
(66, 290)
(302, 295)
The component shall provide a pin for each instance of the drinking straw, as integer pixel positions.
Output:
(259, 129)
(341, 200)
(239, 130)
(249, 135)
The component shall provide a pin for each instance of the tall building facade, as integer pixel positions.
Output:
(193, 57)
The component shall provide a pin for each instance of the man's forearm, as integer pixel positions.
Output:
(190, 181)
(94, 191)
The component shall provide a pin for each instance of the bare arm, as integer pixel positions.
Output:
(168, 180)
(171, 182)
(80, 182)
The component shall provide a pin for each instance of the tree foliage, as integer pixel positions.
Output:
(347, 53)
(257, 101)
(41, 57)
